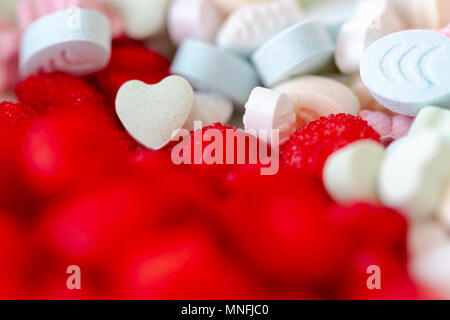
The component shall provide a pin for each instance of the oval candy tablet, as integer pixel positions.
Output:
(78, 47)
(197, 19)
(209, 68)
(409, 70)
(304, 48)
(209, 108)
(253, 24)
(314, 97)
(351, 174)
(414, 174)
(424, 14)
(142, 18)
(372, 20)
(333, 14)
(432, 118)
(269, 110)
(29, 11)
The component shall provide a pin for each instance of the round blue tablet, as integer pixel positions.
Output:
(409, 70)
(304, 48)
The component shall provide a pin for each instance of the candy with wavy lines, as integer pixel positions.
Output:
(409, 70)
(253, 24)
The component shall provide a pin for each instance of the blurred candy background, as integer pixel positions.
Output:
(76, 189)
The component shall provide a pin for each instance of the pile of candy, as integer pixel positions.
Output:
(356, 92)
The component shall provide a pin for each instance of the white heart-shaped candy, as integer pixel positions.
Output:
(153, 114)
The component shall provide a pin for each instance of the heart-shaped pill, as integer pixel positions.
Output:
(153, 114)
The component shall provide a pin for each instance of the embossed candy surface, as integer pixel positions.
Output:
(78, 48)
(251, 25)
(409, 70)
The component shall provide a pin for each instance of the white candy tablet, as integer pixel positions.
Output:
(351, 174)
(54, 43)
(142, 18)
(414, 174)
(268, 110)
(423, 236)
(315, 96)
(209, 108)
(253, 24)
(371, 20)
(153, 114)
(424, 14)
(432, 118)
(197, 19)
(431, 269)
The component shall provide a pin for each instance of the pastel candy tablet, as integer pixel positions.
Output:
(424, 14)
(380, 121)
(141, 18)
(414, 174)
(303, 48)
(253, 24)
(432, 118)
(209, 68)
(209, 108)
(8, 10)
(197, 19)
(388, 126)
(445, 31)
(443, 212)
(333, 14)
(424, 236)
(314, 97)
(78, 49)
(230, 5)
(29, 11)
(9, 42)
(371, 20)
(153, 114)
(401, 125)
(408, 70)
(431, 269)
(351, 174)
(268, 110)
(366, 99)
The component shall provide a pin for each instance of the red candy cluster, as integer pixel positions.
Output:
(311, 145)
(75, 189)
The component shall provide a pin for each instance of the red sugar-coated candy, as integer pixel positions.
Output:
(372, 227)
(278, 224)
(180, 263)
(310, 146)
(15, 115)
(68, 147)
(47, 92)
(215, 173)
(130, 61)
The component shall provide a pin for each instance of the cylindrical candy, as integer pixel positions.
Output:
(209, 68)
(76, 42)
(304, 48)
